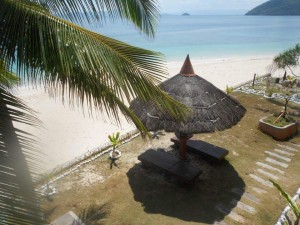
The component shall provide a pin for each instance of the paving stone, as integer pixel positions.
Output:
(69, 218)
(220, 223)
(243, 206)
(270, 160)
(278, 156)
(297, 145)
(238, 191)
(270, 175)
(267, 166)
(288, 148)
(259, 191)
(245, 195)
(232, 215)
(251, 197)
(261, 180)
(283, 152)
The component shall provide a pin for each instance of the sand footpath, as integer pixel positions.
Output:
(68, 133)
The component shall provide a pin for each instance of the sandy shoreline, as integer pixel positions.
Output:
(67, 133)
(231, 71)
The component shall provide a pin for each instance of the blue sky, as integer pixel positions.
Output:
(208, 7)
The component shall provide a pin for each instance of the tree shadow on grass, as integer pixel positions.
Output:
(159, 194)
(94, 214)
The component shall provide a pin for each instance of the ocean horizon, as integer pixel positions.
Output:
(210, 37)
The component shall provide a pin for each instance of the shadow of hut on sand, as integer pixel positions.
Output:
(159, 194)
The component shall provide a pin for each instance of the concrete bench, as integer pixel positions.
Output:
(176, 167)
(209, 151)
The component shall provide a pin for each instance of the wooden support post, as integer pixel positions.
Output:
(254, 77)
(284, 76)
(182, 147)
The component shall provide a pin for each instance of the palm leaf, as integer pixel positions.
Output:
(110, 138)
(7, 79)
(93, 213)
(73, 60)
(19, 204)
(289, 199)
(143, 14)
(76, 63)
(117, 136)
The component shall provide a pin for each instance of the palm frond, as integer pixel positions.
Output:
(19, 204)
(70, 59)
(117, 135)
(143, 14)
(293, 205)
(7, 79)
(93, 213)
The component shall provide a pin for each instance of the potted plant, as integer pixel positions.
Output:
(115, 141)
(280, 126)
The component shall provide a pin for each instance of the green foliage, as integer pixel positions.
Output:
(94, 69)
(7, 79)
(287, 59)
(114, 139)
(277, 7)
(93, 214)
(229, 90)
(271, 90)
(293, 205)
(281, 122)
(292, 80)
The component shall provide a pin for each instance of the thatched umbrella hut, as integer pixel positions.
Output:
(211, 108)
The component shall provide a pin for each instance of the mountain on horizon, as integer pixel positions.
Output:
(277, 8)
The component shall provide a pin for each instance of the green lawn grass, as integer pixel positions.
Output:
(279, 122)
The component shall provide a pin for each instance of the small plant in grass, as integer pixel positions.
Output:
(229, 90)
(270, 90)
(93, 214)
(115, 141)
(292, 204)
(292, 80)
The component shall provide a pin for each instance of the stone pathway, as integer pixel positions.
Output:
(272, 167)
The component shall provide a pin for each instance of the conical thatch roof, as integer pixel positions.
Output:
(212, 109)
(187, 68)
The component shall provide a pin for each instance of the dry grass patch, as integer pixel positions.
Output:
(133, 195)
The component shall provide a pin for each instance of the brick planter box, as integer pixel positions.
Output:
(278, 133)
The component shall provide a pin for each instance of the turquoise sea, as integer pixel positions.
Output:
(212, 36)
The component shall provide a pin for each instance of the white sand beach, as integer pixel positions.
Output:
(67, 133)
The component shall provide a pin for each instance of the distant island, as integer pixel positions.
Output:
(277, 8)
(185, 14)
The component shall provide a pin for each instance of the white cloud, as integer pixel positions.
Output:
(202, 6)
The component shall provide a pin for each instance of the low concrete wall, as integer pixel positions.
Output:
(67, 168)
